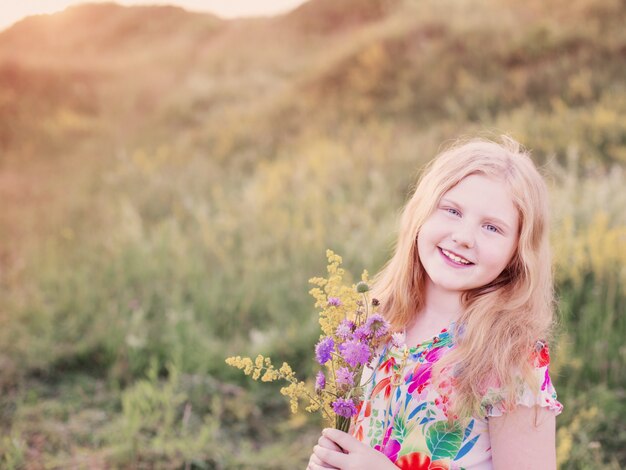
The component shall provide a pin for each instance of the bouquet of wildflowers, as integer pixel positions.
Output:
(352, 331)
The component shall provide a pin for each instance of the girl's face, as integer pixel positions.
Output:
(471, 236)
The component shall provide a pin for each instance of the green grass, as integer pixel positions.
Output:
(154, 223)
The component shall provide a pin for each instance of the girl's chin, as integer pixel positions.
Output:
(446, 285)
(446, 282)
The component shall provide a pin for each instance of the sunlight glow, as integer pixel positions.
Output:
(14, 11)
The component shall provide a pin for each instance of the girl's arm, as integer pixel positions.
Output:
(524, 438)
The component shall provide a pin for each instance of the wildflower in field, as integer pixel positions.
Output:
(377, 325)
(344, 378)
(345, 329)
(351, 333)
(344, 407)
(362, 287)
(334, 301)
(355, 352)
(324, 349)
(398, 339)
(362, 333)
(320, 381)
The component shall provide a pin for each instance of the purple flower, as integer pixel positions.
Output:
(334, 301)
(354, 352)
(320, 381)
(398, 339)
(323, 349)
(344, 407)
(345, 329)
(343, 376)
(377, 325)
(362, 333)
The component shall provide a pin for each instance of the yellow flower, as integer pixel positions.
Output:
(285, 369)
(331, 314)
(258, 362)
(269, 376)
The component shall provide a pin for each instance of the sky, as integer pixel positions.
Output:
(14, 10)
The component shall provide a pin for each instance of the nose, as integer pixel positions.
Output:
(463, 236)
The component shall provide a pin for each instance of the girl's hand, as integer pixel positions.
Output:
(355, 455)
(314, 460)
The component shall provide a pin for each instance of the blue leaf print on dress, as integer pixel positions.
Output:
(417, 410)
(468, 430)
(466, 448)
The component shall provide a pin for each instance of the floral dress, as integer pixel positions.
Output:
(404, 415)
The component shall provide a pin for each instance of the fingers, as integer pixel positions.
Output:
(342, 439)
(323, 441)
(330, 457)
(327, 453)
(315, 464)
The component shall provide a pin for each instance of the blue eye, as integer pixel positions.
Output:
(492, 228)
(452, 211)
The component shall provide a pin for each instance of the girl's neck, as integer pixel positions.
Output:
(440, 309)
(442, 304)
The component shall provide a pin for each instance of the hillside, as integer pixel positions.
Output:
(170, 181)
(323, 61)
(102, 29)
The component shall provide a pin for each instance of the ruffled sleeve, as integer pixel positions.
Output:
(541, 394)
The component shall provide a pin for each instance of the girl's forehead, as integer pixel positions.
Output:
(479, 183)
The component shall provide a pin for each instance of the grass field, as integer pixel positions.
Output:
(168, 191)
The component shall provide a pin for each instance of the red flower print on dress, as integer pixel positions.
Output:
(388, 365)
(368, 408)
(541, 354)
(414, 461)
(384, 384)
(358, 435)
(439, 465)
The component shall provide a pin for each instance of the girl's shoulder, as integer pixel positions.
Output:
(534, 390)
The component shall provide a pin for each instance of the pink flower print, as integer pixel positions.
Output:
(443, 402)
(433, 355)
(381, 446)
(546, 380)
(389, 447)
(419, 378)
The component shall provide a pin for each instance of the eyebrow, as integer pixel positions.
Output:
(490, 218)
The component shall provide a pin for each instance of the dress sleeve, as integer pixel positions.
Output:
(541, 394)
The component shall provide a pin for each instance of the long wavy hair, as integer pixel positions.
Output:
(502, 321)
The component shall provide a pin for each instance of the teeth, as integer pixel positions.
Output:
(454, 257)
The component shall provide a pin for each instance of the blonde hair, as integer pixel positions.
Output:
(501, 321)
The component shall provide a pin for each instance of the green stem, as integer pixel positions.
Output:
(308, 395)
(367, 306)
(341, 423)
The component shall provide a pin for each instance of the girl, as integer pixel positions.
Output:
(470, 286)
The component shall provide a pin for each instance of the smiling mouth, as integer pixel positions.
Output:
(455, 258)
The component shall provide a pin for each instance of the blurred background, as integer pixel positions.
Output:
(170, 180)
